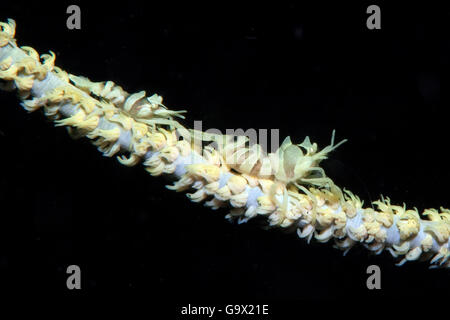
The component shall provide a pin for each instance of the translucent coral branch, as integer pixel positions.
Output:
(279, 186)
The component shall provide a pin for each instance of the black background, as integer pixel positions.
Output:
(299, 68)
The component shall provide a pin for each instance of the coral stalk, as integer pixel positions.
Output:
(287, 187)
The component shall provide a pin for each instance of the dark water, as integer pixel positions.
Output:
(301, 69)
